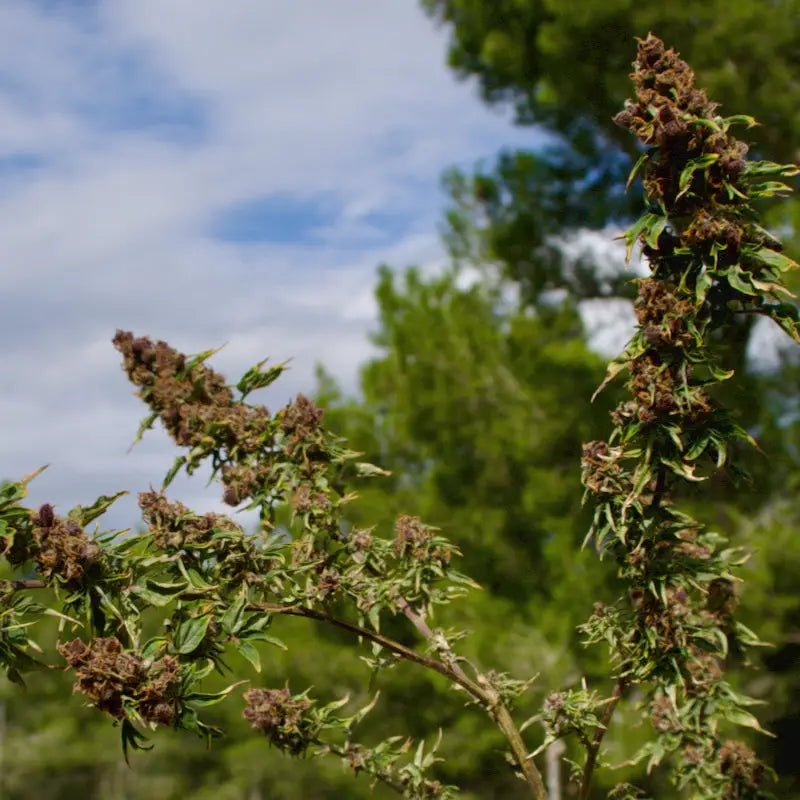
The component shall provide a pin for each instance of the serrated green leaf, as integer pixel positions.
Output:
(418, 756)
(614, 368)
(769, 189)
(365, 470)
(699, 446)
(754, 168)
(775, 259)
(705, 280)
(685, 180)
(158, 594)
(786, 316)
(153, 647)
(11, 493)
(653, 231)
(195, 579)
(52, 612)
(146, 424)
(173, 471)
(771, 287)
(737, 280)
(255, 623)
(741, 119)
(683, 470)
(374, 616)
(643, 158)
(260, 636)
(190, 633)
(198, 358)
(133, 738)
(739, 716)
(749, 637)
(643, 224)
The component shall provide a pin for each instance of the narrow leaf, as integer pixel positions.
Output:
(248, 650)
(83, 515)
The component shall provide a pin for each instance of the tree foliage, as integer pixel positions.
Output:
(564, 63)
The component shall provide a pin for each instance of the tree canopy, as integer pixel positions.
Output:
(564, 63)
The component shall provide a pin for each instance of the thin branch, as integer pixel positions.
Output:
(476, 691)
(594, 747)
(418, 621)
(533, 777)
(495, 707)
(413, 616)
(481, 691)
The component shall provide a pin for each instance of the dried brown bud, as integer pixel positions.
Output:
(739, 762)
(359, 540)
(327, 583)
(62, 549)
(411, 536)
(279, 716)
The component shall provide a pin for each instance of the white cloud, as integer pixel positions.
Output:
(610, 323)
(768, 346)
(143, 122)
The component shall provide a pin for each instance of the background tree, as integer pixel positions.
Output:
(565, 64)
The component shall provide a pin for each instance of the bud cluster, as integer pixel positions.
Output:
(114, 680)
(62, 548)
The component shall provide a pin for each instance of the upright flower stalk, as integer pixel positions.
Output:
(710, 262)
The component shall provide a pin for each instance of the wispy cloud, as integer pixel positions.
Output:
(205, 173)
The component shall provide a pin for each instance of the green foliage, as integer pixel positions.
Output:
(563, 65)
(485, 431)
(564, 62)
(507, 221)
(478, 411)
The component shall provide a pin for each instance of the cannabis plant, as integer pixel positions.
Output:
(215, 589)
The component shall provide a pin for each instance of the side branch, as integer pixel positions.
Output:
(418, 621)
(485, 694)
(597, 740)
(472, 688)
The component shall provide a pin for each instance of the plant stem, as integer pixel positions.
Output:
(482, 690)
(594, 747)
(470, 686)
(532, 775)
(418, 621)
(494, 706)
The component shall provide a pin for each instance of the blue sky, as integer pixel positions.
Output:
(206, 173)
